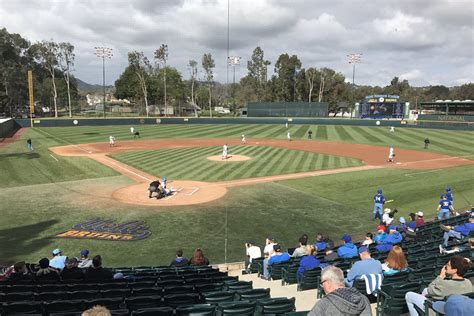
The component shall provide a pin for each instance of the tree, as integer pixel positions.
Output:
(257, 73)
(194, 71)
(161, 54)
(142, 67)
(310, 76)
(208, 66)
(286, 69)
(46, 54)
(66, 62)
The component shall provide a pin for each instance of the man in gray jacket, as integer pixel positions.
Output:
(339, 300)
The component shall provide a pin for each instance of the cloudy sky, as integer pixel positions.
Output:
(427, 42)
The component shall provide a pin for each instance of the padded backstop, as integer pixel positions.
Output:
(287, 109)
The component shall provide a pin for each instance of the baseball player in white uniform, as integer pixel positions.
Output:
(225, 150)
(111, 141)
(288, 135)
(132, 130)
(392, 129)
(243, 140)
(391, 154)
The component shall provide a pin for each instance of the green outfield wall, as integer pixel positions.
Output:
(249, 120)
(287, 109)
(7, 127)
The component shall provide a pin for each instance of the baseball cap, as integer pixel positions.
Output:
(381, 227)
(379, 190)
(271, 238)
(387, 210)
(455, 305)
(276, 247)
(56, 251)
(84, 253)
(419, 213)
(402, 220)
(346, 238)
(363, 249)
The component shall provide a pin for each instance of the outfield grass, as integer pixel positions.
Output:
(192, 163)
(41, 197)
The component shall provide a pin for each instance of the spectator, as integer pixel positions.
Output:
(308, 262)
(419, 219)
(456, 304)
(348, 249)
(450, 281)
(330, 255)
(97, 311)
(393, 238)
(381, 234)
(401, 227)
(58, 261)
(269, 243)
(387, 217)
(278, 257)
(366, 265)
(252, 252)
(320, 243)
(339, 300)
(96, 272)
(179, 261)
(20, 273)
(458, 231)
(368, 239)
(84, 261)
(71, 271)
(45, 272)
(411, 225)
(301, 250)
(395, 262)
(198, 258)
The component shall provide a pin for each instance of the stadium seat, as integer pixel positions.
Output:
(242, 308)
(391, 298)
(83, 295)
(110, 303)
(195, 310)
(51, 296)
(218, 297)
(20, 308)
(210, 287)
(275, 270)
(122, 293)
(275, 306)
(237, 286)
(155, 311)
(18, 297)
(253, 294)
(255, 265)
(288, 274)
(182, 289)
(175, 300)
(141, 302)
(147, 291)
(310, 279)
(64, 306)
(400, 277)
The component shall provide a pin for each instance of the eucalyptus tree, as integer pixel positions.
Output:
(142, 67)
(194, 71)
(208, 66)
(66, 63)
(161, 55)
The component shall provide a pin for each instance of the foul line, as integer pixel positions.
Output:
(54, 158)
(193, 191)
(66, 141)
(111, 161)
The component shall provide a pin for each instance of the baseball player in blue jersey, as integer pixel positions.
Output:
(449, 195)
(379, 201)
(445, 207)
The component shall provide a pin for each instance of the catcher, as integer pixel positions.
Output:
(155, 187)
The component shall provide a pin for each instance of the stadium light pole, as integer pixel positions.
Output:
(354, 58)
(103, 52)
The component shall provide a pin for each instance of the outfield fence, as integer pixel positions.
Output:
(7, 127)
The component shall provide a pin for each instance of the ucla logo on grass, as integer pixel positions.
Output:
(107, 229)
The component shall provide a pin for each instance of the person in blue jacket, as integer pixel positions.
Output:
(320, 243)
(307, 262)
(379, 201)
(348, 250)
(277, 257)
(449, 194)
(366, 265)
(458, 231)
(393, 238)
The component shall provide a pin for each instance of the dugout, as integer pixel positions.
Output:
(287, 109)
(382, 106)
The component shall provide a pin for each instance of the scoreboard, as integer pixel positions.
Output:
(382, 106)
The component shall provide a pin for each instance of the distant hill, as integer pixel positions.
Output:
(85, 87)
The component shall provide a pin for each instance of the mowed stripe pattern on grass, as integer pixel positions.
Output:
(456, 143)
(192, 163)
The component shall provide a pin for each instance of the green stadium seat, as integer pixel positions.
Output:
(241, 308)
(196, 310)
(391, 298)
(275, 306)
(154, 311)
(310, 279)
(288, 275)
(253, 294)
(218, 297)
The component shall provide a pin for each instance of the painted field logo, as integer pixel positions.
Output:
(106, 229)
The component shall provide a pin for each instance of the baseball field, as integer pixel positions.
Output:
(282, 189)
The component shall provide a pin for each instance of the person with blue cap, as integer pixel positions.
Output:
(348, 250)
(445, 207)
(379, 201)
(455, 305)
(449, 194)
(365, 266)
(58, 261)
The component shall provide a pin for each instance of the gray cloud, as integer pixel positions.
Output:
(424, 41)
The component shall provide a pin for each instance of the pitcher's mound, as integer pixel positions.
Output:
(229, 158)
(186, 193)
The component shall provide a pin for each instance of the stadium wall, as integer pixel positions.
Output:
(8, 127)
(249, 120)
(287, 109)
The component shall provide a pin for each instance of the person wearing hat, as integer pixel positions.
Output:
(419, 219)
(278, 257)
(379, 201)
(84, 262)
(58, 261)
(45, 272)
(269, 243)
(71, 271)
(449, 194)
(387, 217)
(366, 265)
(445, 207)
(455, 305)
(348, 249)
(381, 234)
(450, 281)
(458, 231)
